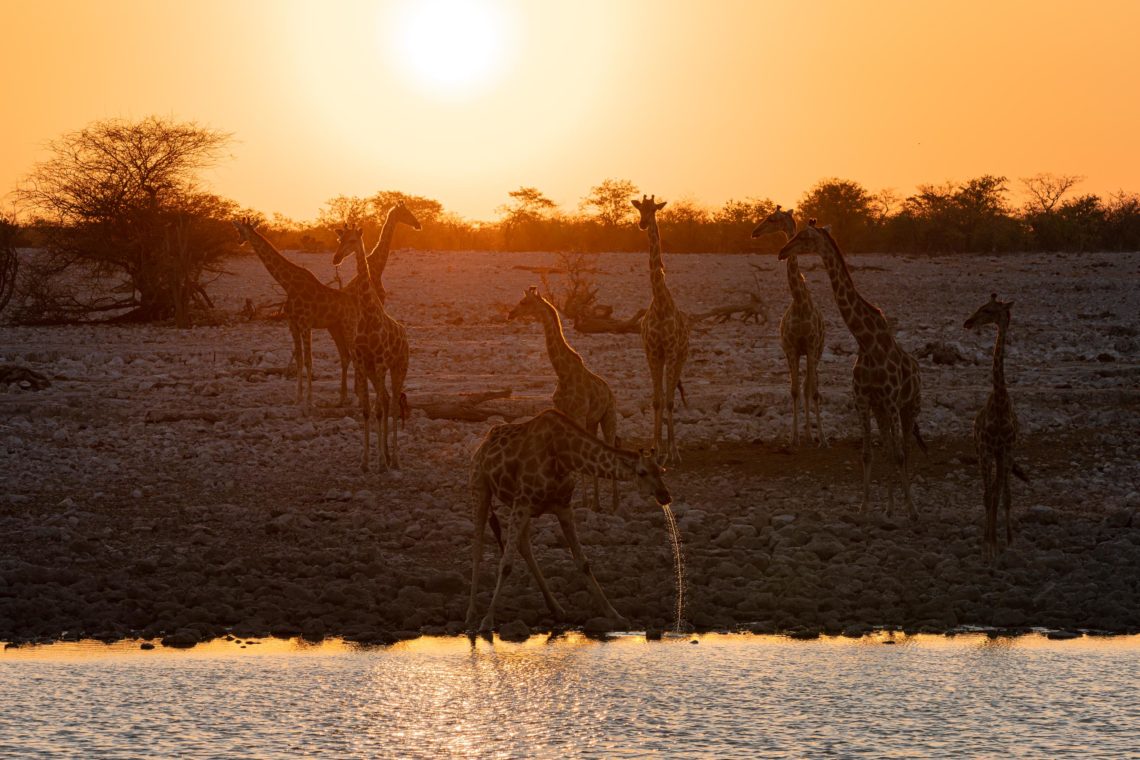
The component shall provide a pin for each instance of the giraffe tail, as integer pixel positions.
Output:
(918, 439)
(1019, 473)
(681, 388)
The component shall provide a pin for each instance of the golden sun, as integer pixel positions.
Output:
(449, 48)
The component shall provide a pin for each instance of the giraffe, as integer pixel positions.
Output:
(378, 257)
(308, 304)
(995, 427)
(580, 394)
(380, 348)
(529, 467)
(664, 331)
(885, 378)
(801, 332)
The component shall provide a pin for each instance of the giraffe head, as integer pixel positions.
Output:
(349, 241)
(246, 228)
(402, 215)
(530, 305)
(648, 208)
(650, 477)
(778, 221)
(993, 312)
(810, 239)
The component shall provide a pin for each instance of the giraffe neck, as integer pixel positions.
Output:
(584, 453)
(999, 361)
(796, 283)
(862, 317)
(368, 294)
(563, 358)
(656, 268)
(285, 272)
(378, 258)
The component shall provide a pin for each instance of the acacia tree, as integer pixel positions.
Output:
(735, 221)
(120, 198)
(609, 202)
(845, 205)
(9, 261)
(426, 210)
(344, 211)
(528, 208)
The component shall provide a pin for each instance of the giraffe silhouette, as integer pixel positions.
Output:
(380, 349)
(664, 332)
(580, 394)
(885, 378)
(528, 467)
(801, 331)
(308, 304)
(995, 427)
(378, 257)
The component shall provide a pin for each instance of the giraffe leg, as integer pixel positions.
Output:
(528, 555)
(397, 408)
(672, 377)
(794, 379)
(1006, 496)
(985, 463)
(482, 496)
(307, 347)
(886, 421)
(868, 454)
(812, 398)
(343, 354)
(609, 435)
(382, 404)
(361, 383)
(509, 549)
(656, 373)
(906, 425)
(298, 355)
(566, 520)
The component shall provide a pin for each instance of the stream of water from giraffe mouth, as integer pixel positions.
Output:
(678, 566)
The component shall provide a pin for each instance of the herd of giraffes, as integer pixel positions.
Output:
(530, 466)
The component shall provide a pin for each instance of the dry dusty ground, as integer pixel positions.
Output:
(245, 515)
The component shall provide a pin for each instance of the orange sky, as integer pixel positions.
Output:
(713, 100)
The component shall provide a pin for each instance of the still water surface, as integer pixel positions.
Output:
(727, 696)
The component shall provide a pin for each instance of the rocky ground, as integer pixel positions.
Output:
(167, 485)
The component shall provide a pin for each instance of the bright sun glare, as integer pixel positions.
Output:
(450, 48)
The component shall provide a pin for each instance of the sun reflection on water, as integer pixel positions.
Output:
(712, 694)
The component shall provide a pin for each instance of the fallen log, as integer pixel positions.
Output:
(754, 311)
(598, 323)
(466, 407)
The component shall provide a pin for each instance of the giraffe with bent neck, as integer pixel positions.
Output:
(529, 467)
(378, 257)
(801, 332)
(885, 379)
(309, 304)
(664, 331)
(380, 349)
(580, 394)
(995, 427)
